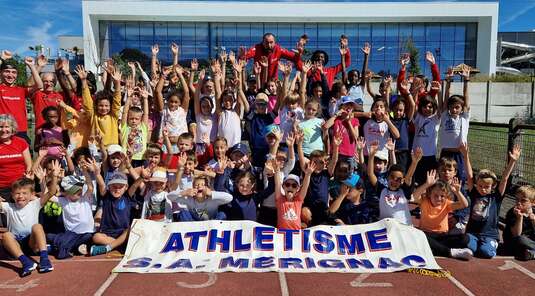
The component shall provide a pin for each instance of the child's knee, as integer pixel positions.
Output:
(488, 249)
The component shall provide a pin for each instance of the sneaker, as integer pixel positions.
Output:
(28, 268)
(97, 250)
(463, 254)
(82, 249)
(526, 255)
(45, 265)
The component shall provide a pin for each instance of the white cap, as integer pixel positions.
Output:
(158, 176)
(114, 148)
(292, 177)
(382, 154)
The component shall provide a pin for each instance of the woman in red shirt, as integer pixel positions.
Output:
(15, 158)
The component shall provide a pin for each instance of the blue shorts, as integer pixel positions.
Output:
(24, 242)
(115, 233)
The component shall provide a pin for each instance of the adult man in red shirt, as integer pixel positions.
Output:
(274, 53)
(44, 98)
(321, 57)
(12, 97)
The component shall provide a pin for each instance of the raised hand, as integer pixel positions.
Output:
(517, 212)
(155, 49)
(361, 143)
(435, 85)
(56, 169)
(179, 70)
(80, 71)
(223, 56)
(174, 48)
(264, 62)
(29, 61)
(404, 59)
(39, 172)
(417, 154)
(223, 163)
(117, 75)
(404, 87)
(41, 61)
(455, 185)
(431, 177)
(310, 167)
(430, 58)
(65, 66)
(257, 68)
(463, 148)
(307, 65)
(232, 57)
(390, 145)
(387, 81)
(194, 65)
(290, 139)
(373, 148)
(366, 48)
(344, 190)
(338, 138)
(465, 72)
(515, 153)
(343, 45)
(449, 74)
(6, 54)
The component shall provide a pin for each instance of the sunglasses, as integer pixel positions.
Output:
(290, 185)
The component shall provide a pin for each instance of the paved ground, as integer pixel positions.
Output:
(91, 276)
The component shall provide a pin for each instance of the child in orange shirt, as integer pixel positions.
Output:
(434, 197)
(290, 202)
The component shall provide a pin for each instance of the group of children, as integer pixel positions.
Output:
(291, 153)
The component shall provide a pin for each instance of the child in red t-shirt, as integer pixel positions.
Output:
(290, 203)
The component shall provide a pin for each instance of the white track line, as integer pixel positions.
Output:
(283, 284)
(460, 286)
(106, 284)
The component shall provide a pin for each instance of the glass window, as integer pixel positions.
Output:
(160, 31)
(460, 32)
(447, 32)
(297, 30)
(365, 33)
(312, 31)
(352, 31)
(271, 28)
(392, 51)
(188, 33)
(174, 31)
(378, 32)
(132, 44)
(201, 31)
(116, 46)
(118, 31)
(146, 31)
(447, 50)
(418, 32)
(257, 31)
(337, 30)
(432, 32)
(132, 31)
(285, 33)
(405, 32)
(392, 32)
(103, 27)
(471, 32)
(459, 50)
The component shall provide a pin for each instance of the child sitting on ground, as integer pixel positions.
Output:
(435, 202)
(482, 227)
(519, 233)
(116, 207)
(23, 229)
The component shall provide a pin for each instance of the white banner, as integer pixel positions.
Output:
(245, 246)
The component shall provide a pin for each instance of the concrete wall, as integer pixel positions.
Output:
(505, 100)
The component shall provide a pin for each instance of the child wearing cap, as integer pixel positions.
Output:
(156, 205)
(257, 123)
(77, 213)
(116, 208)
(199, 203)
(348, 207)
(23, 229)
(290, 201)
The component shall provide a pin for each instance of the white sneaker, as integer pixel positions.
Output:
(82, 249)
(463, 254)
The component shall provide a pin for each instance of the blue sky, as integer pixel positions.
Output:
(31, 22)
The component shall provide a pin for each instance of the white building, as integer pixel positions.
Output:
(454, 31)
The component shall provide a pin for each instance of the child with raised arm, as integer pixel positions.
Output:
(290, 202)
(434, 198)
(403, 111)
(135, 129)
(23, 229)
(482, 228)
(454, 123)
(104, 112)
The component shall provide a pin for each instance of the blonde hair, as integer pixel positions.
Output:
(487, 174)
(11, 121)
(528, 191)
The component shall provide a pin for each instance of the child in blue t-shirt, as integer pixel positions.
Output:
(482, 228)
(403, 110)
(348, 207)
(116, 206)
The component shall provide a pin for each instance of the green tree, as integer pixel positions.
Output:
(414, 67)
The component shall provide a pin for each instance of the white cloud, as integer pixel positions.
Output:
(40, 35)
(518, 14)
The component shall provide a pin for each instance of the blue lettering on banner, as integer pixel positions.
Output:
(240, 263)
(378, 240)
(287, 235)
(263, 238)
(239, 246)
(355, 263)
(385, 263)
(194, 237)
(310, 262)
(138, 262)
(324, 243)
(174, 243)
(407, 260)
(331, 263)
(346, 247)
(290, 262)
(306, 240)
(181, 263)
(223, 242)
(263, 262)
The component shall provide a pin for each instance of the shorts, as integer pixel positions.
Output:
(24, 242)
(115, 233)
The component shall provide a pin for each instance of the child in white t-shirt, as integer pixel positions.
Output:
(23, 229)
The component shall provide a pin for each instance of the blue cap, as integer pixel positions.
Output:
(270, 129)
(346, 100)
(353, 180)
(241, 148)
